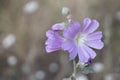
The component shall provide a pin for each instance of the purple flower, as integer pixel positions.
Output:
(54, 41)
(80, 40)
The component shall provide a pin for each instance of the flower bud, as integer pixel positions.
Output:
(65, 11)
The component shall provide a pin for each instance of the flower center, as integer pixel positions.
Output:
(80, 39)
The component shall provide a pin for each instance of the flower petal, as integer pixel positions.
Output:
(49, 33)
(86, 23)
(95, 36)
(92, 27)
(57, 26)
(91, 52)
(73, 53)
(72, 30)
(53, 43)
(85, 54)
(68, 45)
(51, 49)
(97, 44)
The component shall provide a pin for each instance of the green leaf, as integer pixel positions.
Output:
(85, 70)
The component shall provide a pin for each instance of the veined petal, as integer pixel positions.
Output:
(49, 33)
(86, 23)
(95, 36)
(57, 26)
(92, 27)
(73, 53)
(53, 35)
(85, 53)
(68, 45)
(51, 49)
(97, 44)
(91, 52)
(56, 41)
(72, 30)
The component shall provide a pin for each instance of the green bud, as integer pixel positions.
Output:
(65, 11)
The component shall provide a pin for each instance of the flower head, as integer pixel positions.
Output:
(77, 40)
(81, 40)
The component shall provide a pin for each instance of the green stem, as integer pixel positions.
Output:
(74, 71)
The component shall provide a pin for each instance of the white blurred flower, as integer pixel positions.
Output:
(8, 41)
(31, 7)
(40, 75)
(53, 67)
(98, 67)
(81, 77)
(108, 77)
(12, 60)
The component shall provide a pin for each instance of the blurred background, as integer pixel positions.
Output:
(23, 24)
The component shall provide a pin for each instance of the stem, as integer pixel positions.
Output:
(69, 17)
(74, 71)
(74, 67)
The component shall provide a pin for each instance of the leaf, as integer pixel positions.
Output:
(85, 70)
